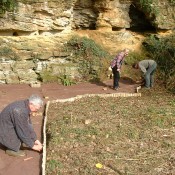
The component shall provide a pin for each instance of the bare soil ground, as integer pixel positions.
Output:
(9, 93)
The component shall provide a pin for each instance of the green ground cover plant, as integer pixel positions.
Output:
(66, 80)
(125, 136)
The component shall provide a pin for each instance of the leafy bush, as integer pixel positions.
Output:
(92, 59)
(134, 57)
(172, 1)
(149, 6)
(7, 5)
(162, 50)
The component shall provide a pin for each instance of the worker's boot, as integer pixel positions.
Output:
(19, 153)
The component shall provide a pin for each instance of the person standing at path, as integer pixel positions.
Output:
(16, 127)
(148, 68)
(116, 65)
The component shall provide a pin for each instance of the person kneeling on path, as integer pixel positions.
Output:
(116, 65)
(16, 127)
(148, 68)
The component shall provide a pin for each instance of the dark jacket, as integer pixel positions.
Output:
(16, 126)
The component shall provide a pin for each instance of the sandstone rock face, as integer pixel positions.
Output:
(40, 17)
(113, 14)
(24, 58)
(50, 17)
(31, 36)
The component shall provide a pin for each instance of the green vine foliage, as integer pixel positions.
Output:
(7, 5)
(92, 59)
(150, 6)
(172, 2)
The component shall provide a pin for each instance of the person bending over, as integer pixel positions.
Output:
(116, 65)
(148, 68)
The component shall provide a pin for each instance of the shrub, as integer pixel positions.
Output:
(92, 59)
(150, 7)
(162, 50)
(172, 2)
(134, 57)
(7, 5)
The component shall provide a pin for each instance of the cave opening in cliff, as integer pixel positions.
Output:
(117, 28)
(15, 33)
(139, 22)
(84, 15)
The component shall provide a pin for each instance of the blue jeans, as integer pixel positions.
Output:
(149, 76)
